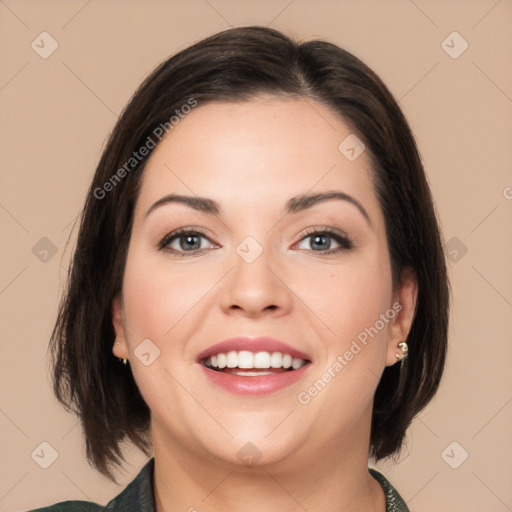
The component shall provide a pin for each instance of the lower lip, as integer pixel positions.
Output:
(255, 385)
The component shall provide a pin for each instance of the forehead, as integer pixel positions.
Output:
(256, 152)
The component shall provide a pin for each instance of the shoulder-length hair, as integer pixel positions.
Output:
(236, 65)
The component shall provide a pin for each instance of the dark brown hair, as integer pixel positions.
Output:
(235, 65)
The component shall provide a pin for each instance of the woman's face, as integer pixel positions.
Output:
(255, 269)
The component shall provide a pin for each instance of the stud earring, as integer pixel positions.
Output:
(122, 359)
(403, 356)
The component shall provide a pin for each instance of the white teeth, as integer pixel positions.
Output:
(276, 360)
(221, 361)
(297, 363)
(262, 360)
(245, 359)
(248, 360)
(232, 359)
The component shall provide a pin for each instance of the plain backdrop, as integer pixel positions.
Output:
(449, 65)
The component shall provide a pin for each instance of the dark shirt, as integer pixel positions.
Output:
(138, 496)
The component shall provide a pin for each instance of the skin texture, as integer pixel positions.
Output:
(251, 157)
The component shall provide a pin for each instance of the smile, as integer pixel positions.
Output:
(261, 363)
(253, 365)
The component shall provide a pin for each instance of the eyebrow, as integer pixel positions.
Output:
(295, 204)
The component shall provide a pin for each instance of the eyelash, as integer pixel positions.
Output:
(341, 238)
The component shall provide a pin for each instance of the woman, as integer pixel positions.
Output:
(258, 292)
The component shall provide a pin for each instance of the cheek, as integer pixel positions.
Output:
(145, 305)
(157, 303)
(157, 297)
(350, 297)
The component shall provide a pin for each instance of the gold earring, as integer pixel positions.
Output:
(122, 359)
(401, 357)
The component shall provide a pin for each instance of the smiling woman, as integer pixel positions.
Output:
(260, 273)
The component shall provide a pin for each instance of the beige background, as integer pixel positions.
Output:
(56, 113)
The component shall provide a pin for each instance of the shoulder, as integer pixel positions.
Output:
(136, 497)
(394, 501)
(70, 506)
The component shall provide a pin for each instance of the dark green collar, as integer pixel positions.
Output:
(394, 502)
(138, 495)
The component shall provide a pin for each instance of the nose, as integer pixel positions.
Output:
(256, 288)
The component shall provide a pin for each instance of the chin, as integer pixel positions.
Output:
(256, 449)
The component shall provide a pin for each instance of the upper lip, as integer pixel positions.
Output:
(252, 344)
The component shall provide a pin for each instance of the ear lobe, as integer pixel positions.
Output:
(406, 296)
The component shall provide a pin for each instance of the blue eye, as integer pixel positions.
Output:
(187, 241)
(322, 239)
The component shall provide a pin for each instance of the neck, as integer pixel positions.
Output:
(335, 479)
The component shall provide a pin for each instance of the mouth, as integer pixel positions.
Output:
(253, 365)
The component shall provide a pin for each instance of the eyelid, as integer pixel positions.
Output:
(345, 241)
(341, 238)
(325, 229)
(162, 245)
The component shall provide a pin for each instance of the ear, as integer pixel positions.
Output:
(120, 348)
(404, 303)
